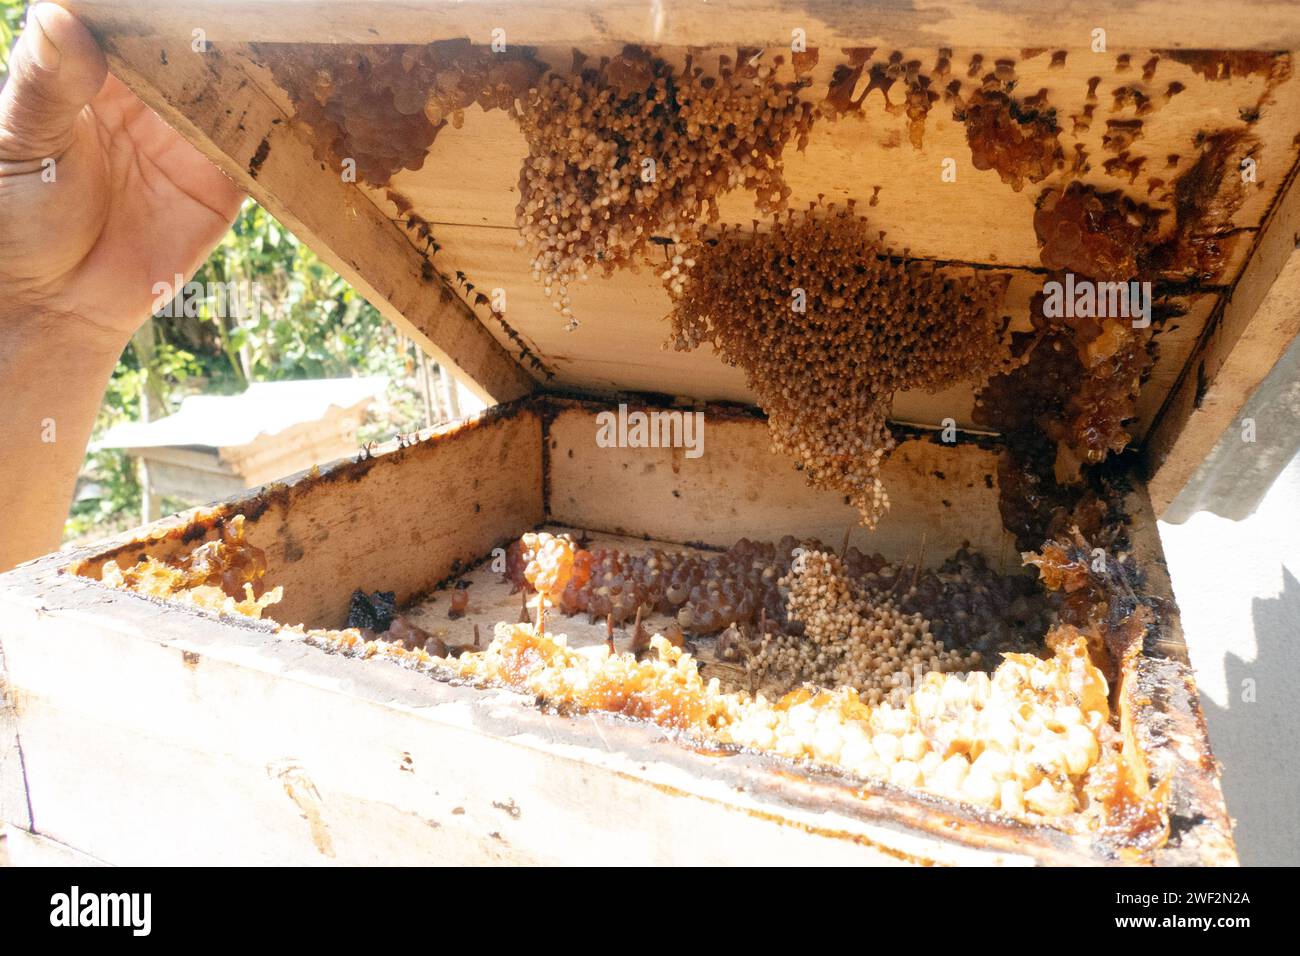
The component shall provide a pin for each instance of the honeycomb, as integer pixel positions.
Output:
(768, 605)
(872, 324)
(1032, 740)
(226, 575)
(851, 636)
(631, 149)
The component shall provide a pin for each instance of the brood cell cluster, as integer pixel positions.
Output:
(828, 326)
(631, 149)
(791, 612)
(851, 636)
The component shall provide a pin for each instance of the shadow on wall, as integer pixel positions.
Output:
(1257, 729)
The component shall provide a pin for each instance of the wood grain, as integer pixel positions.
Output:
(941, 495)
(1227, 24)
(1247, 334)
(232, 742)
(468, 186)
(218, 109)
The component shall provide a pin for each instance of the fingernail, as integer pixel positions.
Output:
(39, 44)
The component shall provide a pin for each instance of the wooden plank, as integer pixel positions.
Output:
(942, 494)
(194, 459)
(208, 98)
(1261, 24)
(1253, 327)
(191, 485)
(15, 805)
(232, 745)
(1175, 342)
(1160, 708)
(467, 189)
(272, 457)
(401, 521)
(867, 157)
(231, 742)
(620, 345)
(236, 747)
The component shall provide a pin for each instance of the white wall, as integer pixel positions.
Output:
(1238, 585)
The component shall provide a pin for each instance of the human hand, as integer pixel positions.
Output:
(125, 203)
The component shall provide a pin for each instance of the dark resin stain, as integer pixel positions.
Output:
(1120, 134)
(1093, 233)
(1216, 65)
(1018, 139)
(382, 105)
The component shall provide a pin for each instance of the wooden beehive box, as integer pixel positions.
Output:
(150, 731)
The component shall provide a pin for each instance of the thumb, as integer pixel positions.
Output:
(55, 70)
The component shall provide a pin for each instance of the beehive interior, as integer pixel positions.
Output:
(1166, 131)
(856, 240)
(842, 237)
(757, 630)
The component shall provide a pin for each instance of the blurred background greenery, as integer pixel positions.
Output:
(11, 15)
(308, 323)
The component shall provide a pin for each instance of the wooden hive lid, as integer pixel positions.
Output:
(428, 246)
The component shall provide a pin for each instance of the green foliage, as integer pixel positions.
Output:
(11, 18)
(298, 319)
(289, 316)
(117, 504)
(303, 320)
